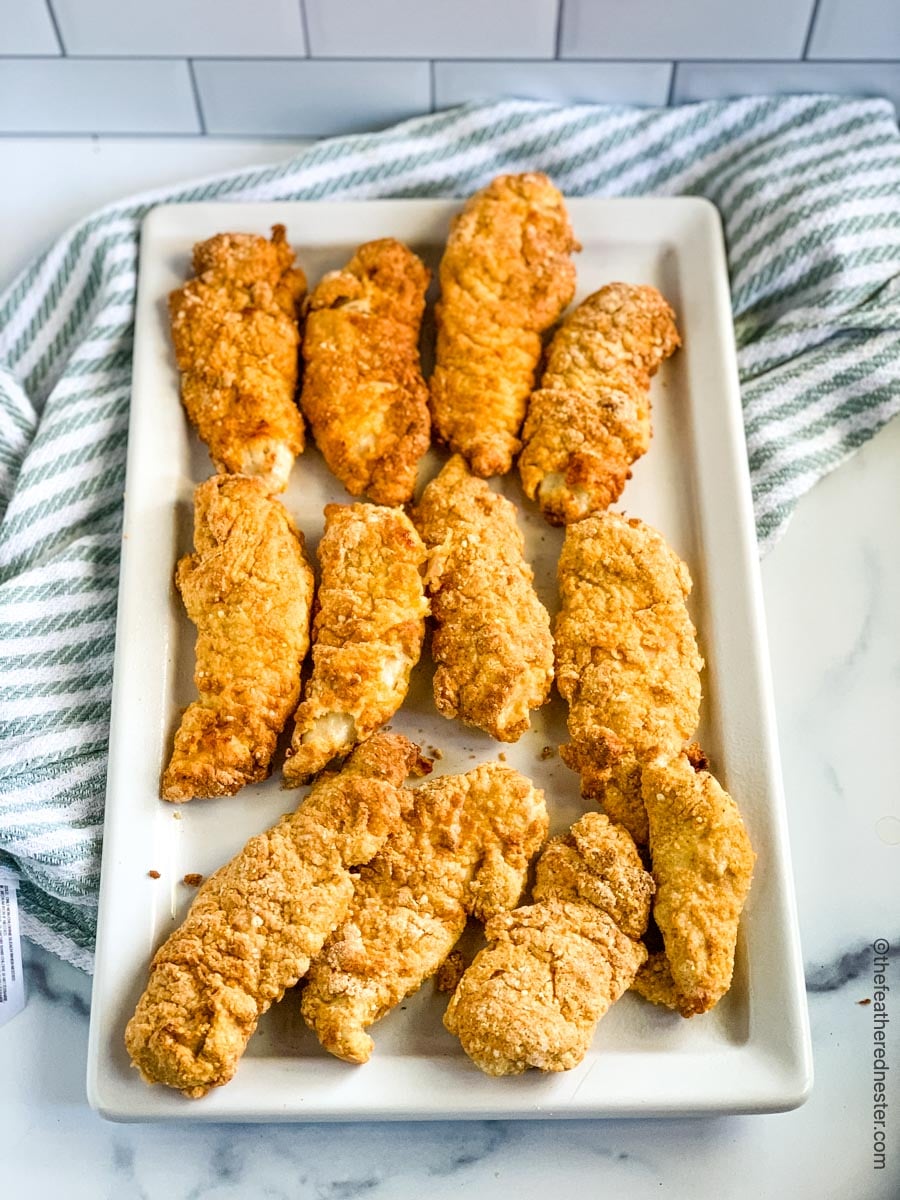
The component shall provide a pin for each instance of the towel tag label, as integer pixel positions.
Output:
(12, 983)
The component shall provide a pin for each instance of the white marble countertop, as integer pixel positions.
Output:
(832, 589)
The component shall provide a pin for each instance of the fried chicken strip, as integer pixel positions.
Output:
(236, 337)
(248, 588)
(463, 848)
(256, 923)
(492, 642)
(367, 633)
(506, 275)
(703, 865)
(590, 419)
(552, 969)
(627, 660)
(363, 391)
(655, 983)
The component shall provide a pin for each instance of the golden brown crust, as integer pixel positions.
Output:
(626, 650)
(614, 782)
(463, 848)
(551, 970)
(235, 331)
(597, 863)
(506, 276)
(702, 864)
(363, 391)
(492, 642)
(367, 633)
(256, 923)
(655, 983)
(590, 419)
(248, 588)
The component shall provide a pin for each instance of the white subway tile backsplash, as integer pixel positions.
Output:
(190, 28)
(715, 81)
(26, 28)
(566, 82)
(64, 95)
(306, 98)
(856, 29)
(310, 68)
(432, 28)
(684, 28)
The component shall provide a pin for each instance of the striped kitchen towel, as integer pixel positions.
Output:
(808, 187)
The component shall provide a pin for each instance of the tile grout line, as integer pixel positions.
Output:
(670, 98)
(559, 21)
(809, 33)
(386, 58)
(56, 29)
(196, 93)
(304, 25)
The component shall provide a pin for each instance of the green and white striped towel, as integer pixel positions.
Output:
(809, 189)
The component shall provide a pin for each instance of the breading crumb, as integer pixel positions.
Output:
(193, 879)
(547, 752)
(153, 874)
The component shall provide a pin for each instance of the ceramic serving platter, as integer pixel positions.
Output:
(751, 1053)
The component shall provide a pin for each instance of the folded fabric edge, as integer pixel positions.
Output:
(54, 926)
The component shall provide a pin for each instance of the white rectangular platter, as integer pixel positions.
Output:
(751, 1053)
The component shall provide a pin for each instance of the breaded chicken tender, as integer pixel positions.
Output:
(463, 848)
(506, 276)
(551, 970)
(256, 923)
(703, 864)
(619, 789)
(590, 419)
(655, 983)
(363, 391)
(626, 656)
(492, 642)
(597, 863)
(367, 633)
(248, 588)
(620, 794)
(236, 336)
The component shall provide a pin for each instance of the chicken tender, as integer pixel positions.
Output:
(590, 419)
(492, 641)
(703, 865)
(363, 391)
(463, 848)
(597, 863)
(626, 653)
(655, 983)
(236, 335)
(256, 923)
(248, 588)
(618, 788)
(620, 792)
(506, 276)
(551, 970)
(367, 633)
